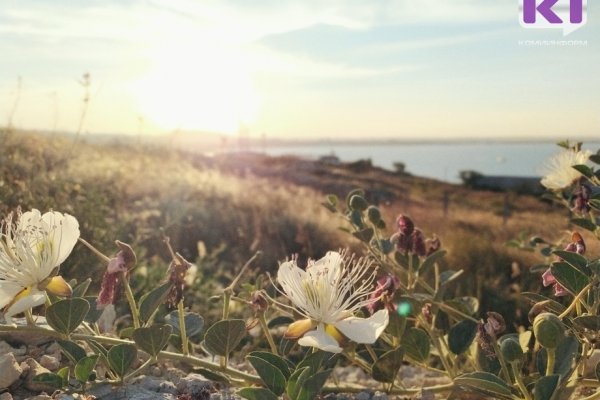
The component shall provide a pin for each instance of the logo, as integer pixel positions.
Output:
(566, 15)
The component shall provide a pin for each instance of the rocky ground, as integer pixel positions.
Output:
(23, 357)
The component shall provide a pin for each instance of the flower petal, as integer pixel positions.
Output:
(298, 328)
(321, 340)
(327, 267)
(547, 278)
(25, 303)
(63, 234)
(8, 291)
(290, 277)
(364, 330)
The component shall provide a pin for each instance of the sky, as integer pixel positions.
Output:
(310, 69)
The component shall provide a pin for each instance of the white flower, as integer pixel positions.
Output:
(560, 173)
(30, 253)
(328, 294)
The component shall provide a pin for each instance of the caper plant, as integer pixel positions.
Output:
(376, 311)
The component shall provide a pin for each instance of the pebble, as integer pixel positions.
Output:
(50, 362)
(53, 348)
(35, 369)
(6, 396)
(40, 397)
(156, 371)
(363, 396)
(379, 396)
(28, 338)
(10, 370)
(7, 348)
(194, 385)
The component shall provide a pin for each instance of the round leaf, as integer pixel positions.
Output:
(64, 316)
(269, 373)
(221, 338)
(120, 358)
(84, 368)
(193, 322)
(150, 302)
(257, 394)
(386, 368)
(461, 336)
(153, 338)
(416, 345)
(486, 383)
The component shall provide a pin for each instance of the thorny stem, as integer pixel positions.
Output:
(228, 291)
(267, 333)
(182, 329)
(94, 250)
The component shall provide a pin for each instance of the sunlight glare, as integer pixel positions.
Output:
(198, 86)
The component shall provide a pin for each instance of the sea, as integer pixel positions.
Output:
(442, 161)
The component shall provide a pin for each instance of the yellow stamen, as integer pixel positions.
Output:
(58, 286)
(299, 328)
(336, 334)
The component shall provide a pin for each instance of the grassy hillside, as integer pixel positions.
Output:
(219, 210)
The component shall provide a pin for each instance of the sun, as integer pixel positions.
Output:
(198, 87)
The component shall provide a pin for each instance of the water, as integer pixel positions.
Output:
(442, 161)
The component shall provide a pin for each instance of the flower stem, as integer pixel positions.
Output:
(576, 301)
(29, 317)
(94, 250)
(519, 380)
(182, 329)
(140, 369)
(131, 300)
(267, 333)
(503, 367)
(551, 353)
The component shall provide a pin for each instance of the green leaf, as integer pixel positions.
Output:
(275, 360)
(594, 203)
(126, 333)
(120, 358)
(466, 305)
(64, 316)
(313, 385)
(364, 235)
(153, 338)
(64, 373)
(386, 368)
(50, 379)
(584, 170)
(595, 158)
(193, 322)
(565, 357)
(270, 374)
(461, 336)
(81, 289)
(545, 387)
(251, 393)
(597, 371)
(84, 368)
(213, 376)
(431, 260)
(416, 345)
(221, 338)
(317, 360)
(72, 350)
(594, 266)
(576, 260)
(396, 325)
(484, 383)
(584, 223)
(549, 304)
(571, 278)
(150, 302)
(296, 381)
(93, 314)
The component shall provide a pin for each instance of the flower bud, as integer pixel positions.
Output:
(358, 202)
(382, 296)
(494, 325)
(405, 225)
(548, 329)
(418, 243)
(581, 197)
(374, 214)
(432, 244)
(511, 350)
(259, 302)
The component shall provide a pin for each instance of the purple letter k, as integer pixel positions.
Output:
(545, 8)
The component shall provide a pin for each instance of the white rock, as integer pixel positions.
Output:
(50, 362)
(6, 396)
(10, 370)
(36, 369)
(7, 348)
